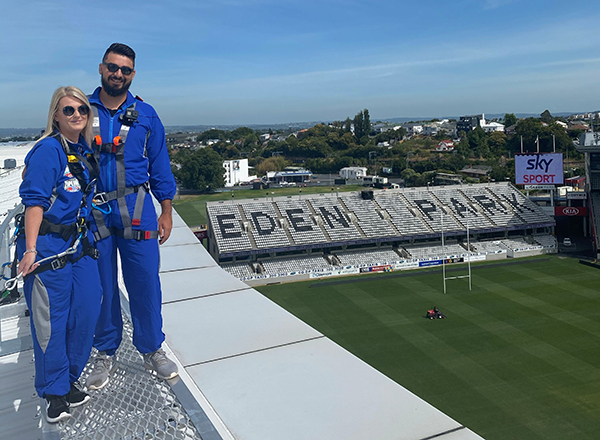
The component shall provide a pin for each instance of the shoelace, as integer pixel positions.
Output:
(160, 357)
(102, 362)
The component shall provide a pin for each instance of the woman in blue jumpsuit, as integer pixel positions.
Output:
(64, 299)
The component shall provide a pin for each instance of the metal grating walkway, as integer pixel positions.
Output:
(135, 405)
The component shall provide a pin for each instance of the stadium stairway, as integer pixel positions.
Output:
(249, 370)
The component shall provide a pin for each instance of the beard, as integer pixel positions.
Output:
(115, 91)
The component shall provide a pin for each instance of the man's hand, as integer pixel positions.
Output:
(165, 221)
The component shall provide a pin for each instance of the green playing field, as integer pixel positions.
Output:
(517, 358)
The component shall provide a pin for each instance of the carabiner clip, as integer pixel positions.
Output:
(103, 211)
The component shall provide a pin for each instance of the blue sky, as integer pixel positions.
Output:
(278, 61)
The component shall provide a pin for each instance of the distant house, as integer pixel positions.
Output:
(447, 179)
(579, 126)
(430, 129)
(468, 123)
(380, 128)
(353, 172)
(383, 144)
(562, 124)
(493, 126)
(476, 171)
(413, 128)
(445, 145)
(265, 137)
(301, 133)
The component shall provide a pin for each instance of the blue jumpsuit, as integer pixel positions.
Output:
(146, 160)
(64, 303)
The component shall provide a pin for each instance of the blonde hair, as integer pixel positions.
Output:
(52, 125)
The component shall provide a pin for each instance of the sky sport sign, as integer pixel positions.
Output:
(539, 169)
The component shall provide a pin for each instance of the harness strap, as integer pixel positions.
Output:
(136, 234)
(102, 231)
(105, 197)
(65, 231)
(118, 149)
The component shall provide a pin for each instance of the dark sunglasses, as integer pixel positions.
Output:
(69, 110)
(114, 68)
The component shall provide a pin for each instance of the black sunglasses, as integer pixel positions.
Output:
(69, 110)
(112, 67)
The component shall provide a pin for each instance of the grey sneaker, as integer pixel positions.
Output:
(158, 361)
(103, 365)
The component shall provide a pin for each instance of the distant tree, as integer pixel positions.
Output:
(348, 125)
(202, 170)
(212, 134)
(250, 139)
(359, 130)
(366, 122)
(497, 143)
(510, 119)
(240, 133)
(276, 163)
(478, 142)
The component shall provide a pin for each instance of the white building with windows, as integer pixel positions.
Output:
(492, 126)
(236, 171)
(353, 172)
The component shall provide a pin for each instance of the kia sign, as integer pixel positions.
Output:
(570, 211)
(539, 169)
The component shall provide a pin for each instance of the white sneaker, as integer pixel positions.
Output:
(158, 361)
(103, 366)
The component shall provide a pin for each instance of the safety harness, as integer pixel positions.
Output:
(117, 147)
(76, 232)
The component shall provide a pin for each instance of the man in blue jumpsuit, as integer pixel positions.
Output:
(132, 153)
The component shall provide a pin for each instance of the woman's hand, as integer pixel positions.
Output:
(27, 264)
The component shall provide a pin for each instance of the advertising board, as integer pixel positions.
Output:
(571, 211)
(539, 169)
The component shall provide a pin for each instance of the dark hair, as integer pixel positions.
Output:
(120, 49)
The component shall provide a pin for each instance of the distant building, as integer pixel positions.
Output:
(476, 171)
(236, 171)
(589, 140)
(265, 137)
(445, 145)
(300, 134)
(562, 124)
(493, 126)
(289, 175)
(468, 123)
(447, 179)
(413, 128)
(353, 172)
(577, 182)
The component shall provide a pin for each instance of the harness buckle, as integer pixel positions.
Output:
(100, 198)
(58, 263)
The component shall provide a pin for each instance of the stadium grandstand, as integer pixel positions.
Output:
(248, 369)
(298, 237)
(589, 144)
